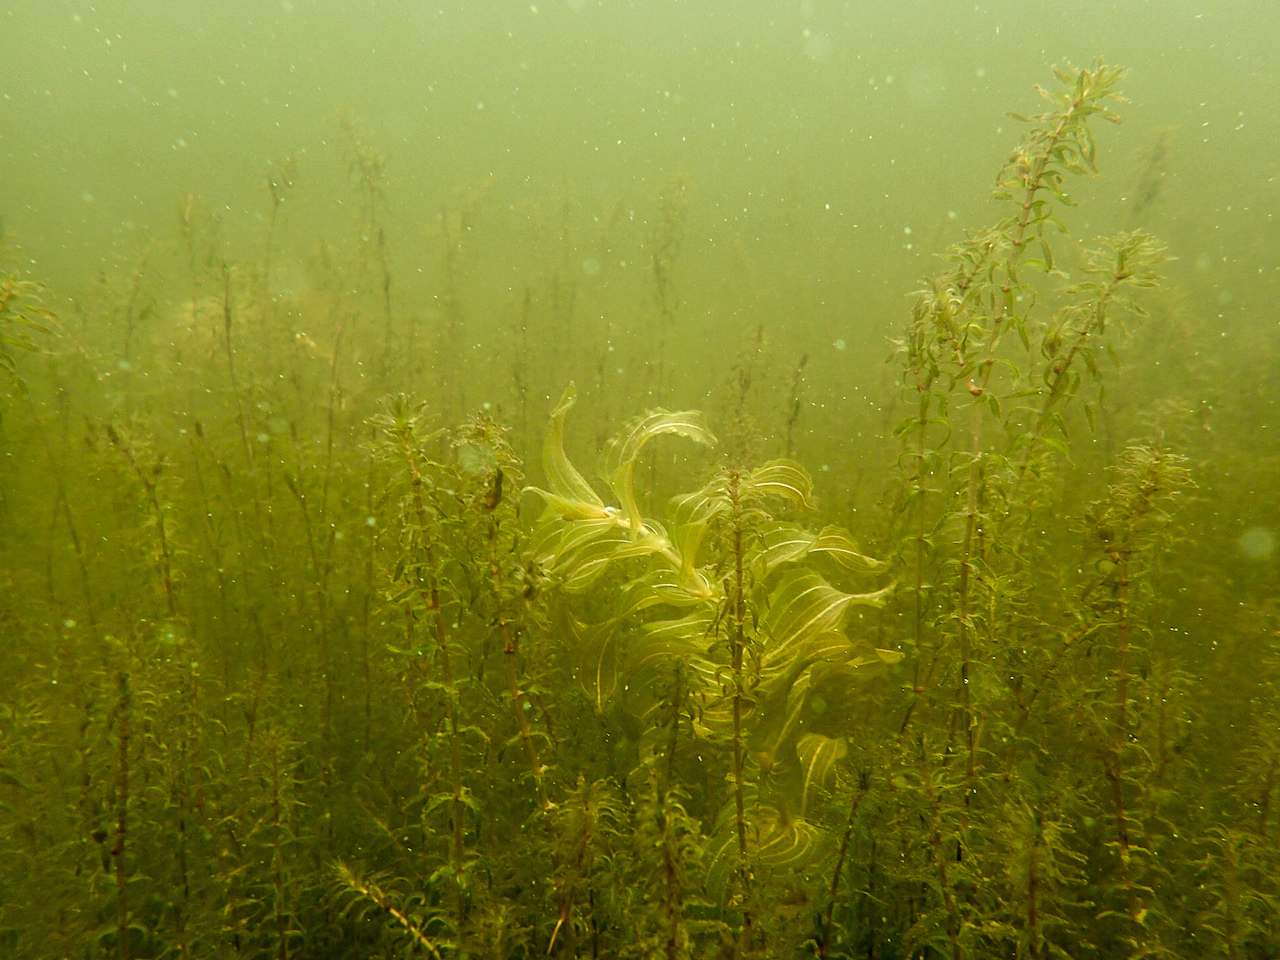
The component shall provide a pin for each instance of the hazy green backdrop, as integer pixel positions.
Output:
(314, 643)
(814, 134)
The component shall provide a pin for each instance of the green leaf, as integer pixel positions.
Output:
(804, 607)
(570, 538)
(12, 780)
(786, 843)
(783, 478)
(480, 734)
(784, 543)
(564, 479)
(570, 508)
(666, 641)
(906, 426)
(838, 545)
(1022, 334)
(1047, 252)
(1090, 362)
(601, 653)
(694, 516)
(1057, 445)
(584, 566)
(818, 757)
(623, 454)
(721, 858)
(404, 595)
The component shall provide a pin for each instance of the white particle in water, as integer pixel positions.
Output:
(1257, 543)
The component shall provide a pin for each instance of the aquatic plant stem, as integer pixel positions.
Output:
(188, 226)
(375, 895)
(279, 830)
(149, 480)
(132, 311)
(430, 594)
(941, 855)
(1070, 641)
(1122, 262)
(228, 315)
(964, 612)
(187, 794)
(124, 734)
(828, 925)
(1266, 794)
(368, 592)
(1148, 475)
(278, 185)
(62, 504)
(1114, 760)
(795, 405)
(510, 649)
(1032, 174)
(737, 646)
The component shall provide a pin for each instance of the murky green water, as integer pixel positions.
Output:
(655, 479)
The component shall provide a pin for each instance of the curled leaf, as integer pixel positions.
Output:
(625, 452)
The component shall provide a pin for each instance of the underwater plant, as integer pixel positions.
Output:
(292, 671)
(23, 319)
(739, 601)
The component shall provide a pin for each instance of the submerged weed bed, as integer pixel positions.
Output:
(299, 663)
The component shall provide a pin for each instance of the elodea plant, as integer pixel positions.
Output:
(716, 638)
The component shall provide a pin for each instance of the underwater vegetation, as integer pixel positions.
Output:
(303, 659)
